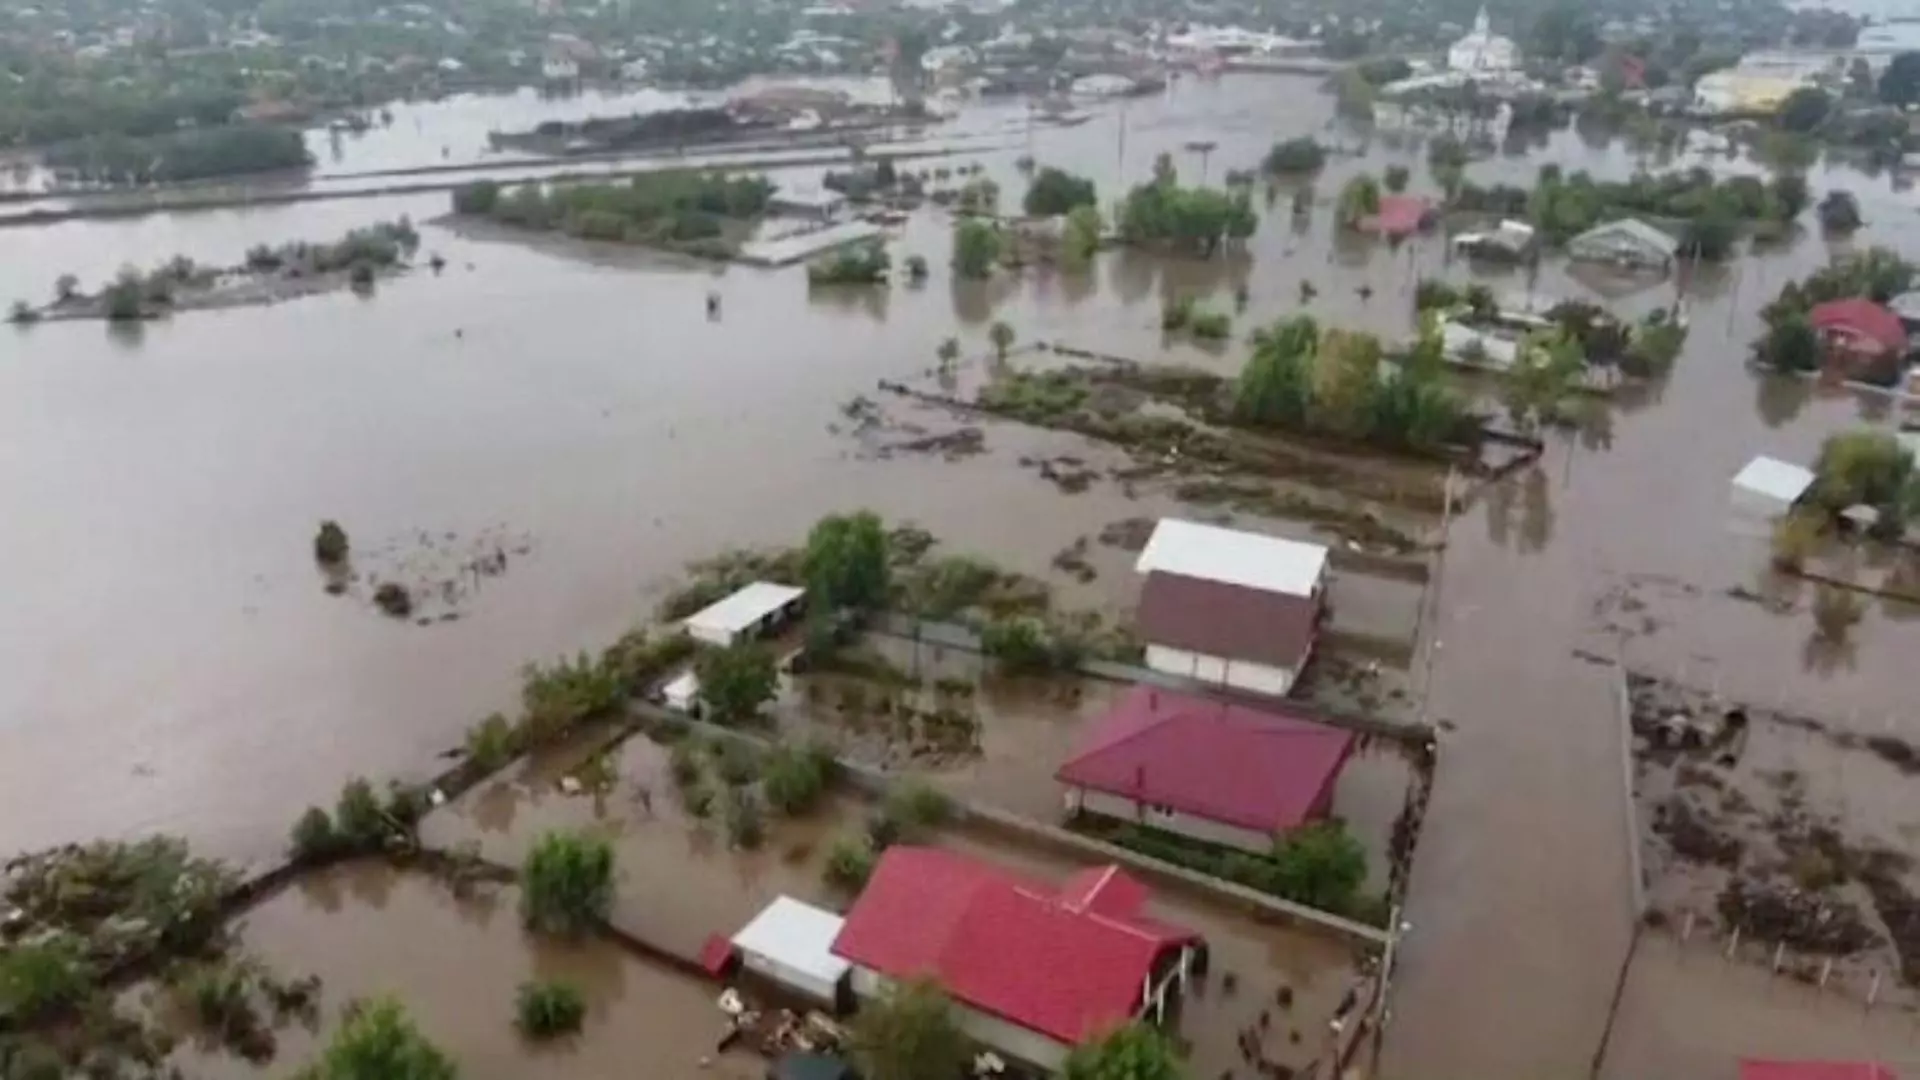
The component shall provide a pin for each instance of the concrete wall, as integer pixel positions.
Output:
(791, 978)
(1213, 832)
(1239, 674)
(1009, 1040)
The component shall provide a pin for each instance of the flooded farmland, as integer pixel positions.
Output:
(169, 659)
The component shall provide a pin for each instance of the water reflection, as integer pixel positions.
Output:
(868, 300)
(1779, 399)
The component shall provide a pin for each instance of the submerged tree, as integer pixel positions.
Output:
(909, 1033)
(330, 544)
(736, 681)
(847, 562)
(567, 884)
(976, 247)
(1840, 212)
(1002, 337)
(1359, 200)
(1055, 192)
(1133, 1052)
(379, 1041)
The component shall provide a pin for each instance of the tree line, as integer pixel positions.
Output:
(1337, 382)
(684, 207)
(181, 155)
(1191, 220)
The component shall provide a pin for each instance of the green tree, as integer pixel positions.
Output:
(1320, 865)
(1020, 644)
(1791, 344)
(846, 563)
(1002, 337)
(479, 197)
(1840, 212)
(1804, 110)
(949, 353)
(125, 299)
(1359, 200)
(41, 978)
(1546, 371)
(1900, 83)
(1055, 192)
(976, 247)
(1275, 389)
(1133, 1052)
(908, 1034)
(566, 885)
(736, 681)
(1864, 468)
(794, 779)
(1788, 195)
(330, 544)
(1081, 239)
(1300, 155)
(379, 1041)
(65, 288)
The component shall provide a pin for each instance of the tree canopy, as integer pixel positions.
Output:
(1900, 83)
(908, 1034)
(847, 562)
(1299, 155)
(1055, 192)
(1804, 110)
(976, 247)
(566, 886)
(378, 1041)
(1334, 383)
(1865, 467)
(1194, 220)
(736, 681)
(1321, 865)
(1133, 1052)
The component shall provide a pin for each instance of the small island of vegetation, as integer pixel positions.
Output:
(690, 211)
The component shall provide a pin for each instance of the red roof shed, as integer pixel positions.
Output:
(1068, 962)
(1814, 1070)
(1255, 769)
(1870, 323)
(1400, 215)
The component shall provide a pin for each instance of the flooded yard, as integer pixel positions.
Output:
(680, 882)
(368, 930)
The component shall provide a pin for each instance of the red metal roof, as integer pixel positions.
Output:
(1232, 622)
(1225, 762)
(1814, 1070)
(1861, 316)
(1400, 215)
(1068, 962)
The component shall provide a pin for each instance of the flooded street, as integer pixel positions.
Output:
(169, 660)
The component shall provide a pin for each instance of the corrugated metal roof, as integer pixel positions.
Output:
(718, 622)
(1233, 557)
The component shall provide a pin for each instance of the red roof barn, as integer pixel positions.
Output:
(1400, 216)
(1860, 326)
(1044, 967)
(1221, 772)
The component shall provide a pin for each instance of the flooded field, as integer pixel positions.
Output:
(168, 649)
(368, 930)
(679, 882)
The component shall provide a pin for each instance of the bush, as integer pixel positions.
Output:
(361, 821)
(378, 1039)
(23, 313)
(1301, 155)
(1020, 645)
(394, 599)
(491, 743)
(361, 275)
(697, 800)
(40, 978)
(794, 780)
(736, 762)
(1396, 177)
(1211, 325)
(849, 863)
(683, 762)
(125, 299)
(313, 836)
(567, 884)
(545, 1010)
(330, 544)
(745, 829)
(1054, 193)
(914, 804)
(1176, 313)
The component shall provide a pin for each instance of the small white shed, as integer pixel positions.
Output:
(748, 612)
(790, 943)
(683, 693)
(1769, 487)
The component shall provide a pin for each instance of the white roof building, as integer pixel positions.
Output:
(791, 943)
(1770, 486)
(1482, 50)
(726, 621)
(1231, 557)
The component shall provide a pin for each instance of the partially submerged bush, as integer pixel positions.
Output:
(566, 886)
(313, 836)
(849, 863)
(330, 544)
(394, 599)
(736, 762)
(795, 779)
(360, 821)
(545, 1010)
(745, 829)
(916, 805)
(492, 742)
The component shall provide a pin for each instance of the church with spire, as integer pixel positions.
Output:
(1483, 52)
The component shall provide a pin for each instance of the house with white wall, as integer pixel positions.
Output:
(1231, 608)
(1033, 968)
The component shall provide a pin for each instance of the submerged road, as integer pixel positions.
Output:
(1519, 899)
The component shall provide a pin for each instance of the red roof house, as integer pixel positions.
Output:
(1400, 216)
(1037, 968)
(1814, 1070)
(1858, 327)
(1221, 772)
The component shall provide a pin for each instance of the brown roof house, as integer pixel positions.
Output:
(1230, 608)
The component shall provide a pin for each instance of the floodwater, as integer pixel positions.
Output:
(679, 882)
(168, 659)
(370, 931)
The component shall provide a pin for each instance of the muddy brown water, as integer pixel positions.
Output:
(168, 659)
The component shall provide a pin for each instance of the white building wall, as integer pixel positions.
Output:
(790, 977)
(1006, 1038)
(1220, 671)
(1213, 832)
